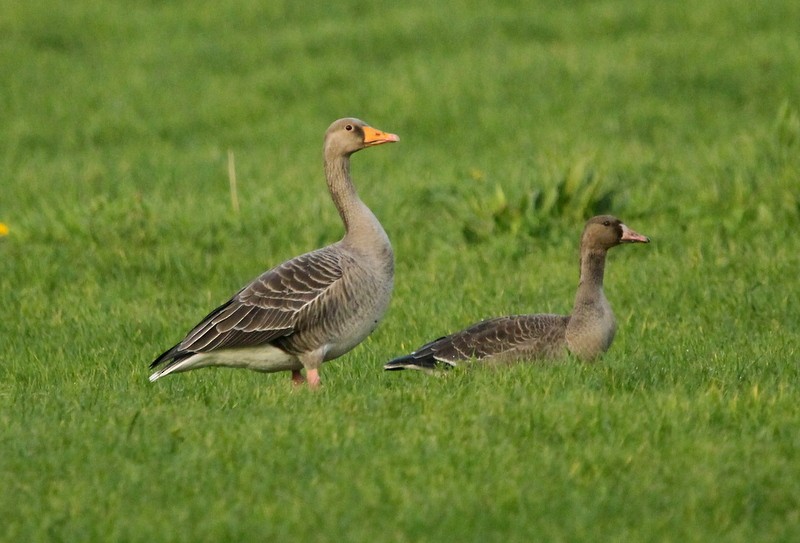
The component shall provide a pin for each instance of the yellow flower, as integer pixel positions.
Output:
(3, 229)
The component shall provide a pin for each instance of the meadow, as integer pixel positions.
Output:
(517, 122)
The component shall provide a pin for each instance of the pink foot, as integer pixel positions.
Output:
(297, 378)
(313, 378)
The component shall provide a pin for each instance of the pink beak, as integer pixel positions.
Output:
(630, 236)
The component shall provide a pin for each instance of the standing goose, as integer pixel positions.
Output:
(586, 333)
(312, 308)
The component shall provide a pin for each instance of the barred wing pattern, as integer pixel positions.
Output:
(269, 308)
(501, 339)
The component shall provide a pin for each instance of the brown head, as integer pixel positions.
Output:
(606, 231)
(346, 136)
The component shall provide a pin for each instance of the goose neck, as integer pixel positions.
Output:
(340, 185)
(361, 226)
(593, 263)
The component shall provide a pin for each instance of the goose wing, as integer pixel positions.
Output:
(271, 306)
(495, 338)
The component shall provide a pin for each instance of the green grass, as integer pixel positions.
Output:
(516, 123)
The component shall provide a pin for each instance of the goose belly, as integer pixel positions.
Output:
(344, 327)
(267, 358)
(351, 336)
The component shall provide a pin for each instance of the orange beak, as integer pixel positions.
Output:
(376, 137)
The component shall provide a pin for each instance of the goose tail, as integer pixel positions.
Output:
(416, 361)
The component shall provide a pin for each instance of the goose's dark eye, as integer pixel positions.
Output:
(606, 223)
(349, 127)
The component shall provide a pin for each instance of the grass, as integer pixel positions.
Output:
(682, 118)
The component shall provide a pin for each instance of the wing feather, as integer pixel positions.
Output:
(271, 306)
(496, 337)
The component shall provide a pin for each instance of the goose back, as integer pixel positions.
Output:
(496, 340)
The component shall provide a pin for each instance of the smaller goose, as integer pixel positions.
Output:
(586, 333)
(312, 308)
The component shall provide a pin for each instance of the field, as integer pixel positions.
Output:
(517, 123)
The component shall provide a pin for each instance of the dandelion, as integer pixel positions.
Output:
(3, 229)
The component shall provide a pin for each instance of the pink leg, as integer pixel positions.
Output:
(313, 378)
(297, 378)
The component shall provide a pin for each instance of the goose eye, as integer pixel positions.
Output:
(349, 127)
(606, 223)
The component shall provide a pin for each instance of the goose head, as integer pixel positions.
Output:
(346, 136)
(606, 231)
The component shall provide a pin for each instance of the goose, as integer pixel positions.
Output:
(586, 333)
(312, 308)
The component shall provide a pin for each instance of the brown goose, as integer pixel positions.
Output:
(586, 333)
(314, 307)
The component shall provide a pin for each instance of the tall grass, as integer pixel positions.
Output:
(516, 123)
